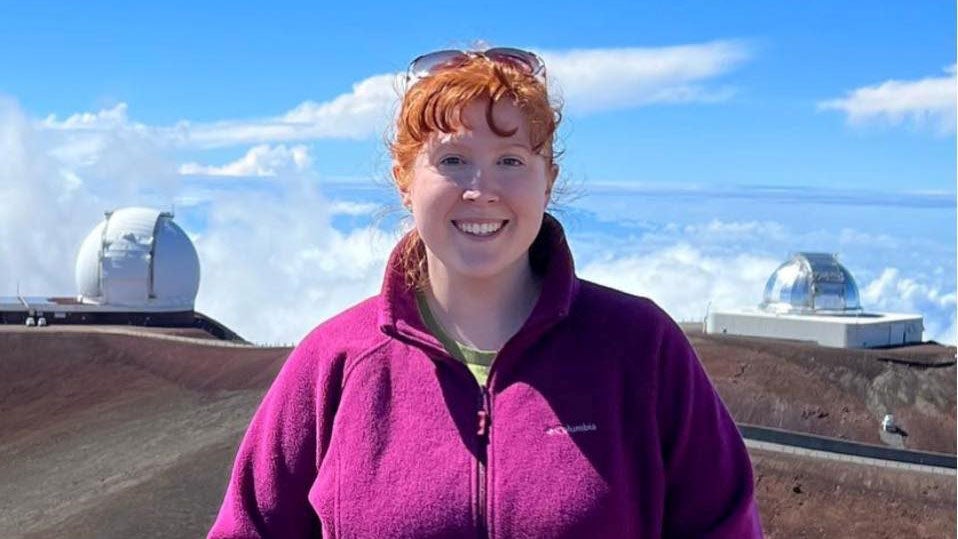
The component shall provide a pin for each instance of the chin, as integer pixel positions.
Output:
(483, 268)
(479, 272)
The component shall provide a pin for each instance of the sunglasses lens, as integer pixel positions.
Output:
(435, 61)
(519, 58)
(429, 64)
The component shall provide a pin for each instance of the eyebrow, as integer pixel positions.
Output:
(506, 146)
(517, 145)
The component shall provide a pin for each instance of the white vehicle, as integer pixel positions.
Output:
(888, 423)
(31, 322)
(41, 322)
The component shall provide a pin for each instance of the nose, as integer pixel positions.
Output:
(478, 188)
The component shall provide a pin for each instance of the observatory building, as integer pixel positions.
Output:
(137, 267)
(813, 297)
(139, 258)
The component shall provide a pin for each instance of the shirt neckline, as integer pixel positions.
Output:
(458, 350)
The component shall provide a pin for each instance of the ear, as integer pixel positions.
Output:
(403, 191)
(553, 174)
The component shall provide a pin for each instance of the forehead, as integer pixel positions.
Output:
(506, 116)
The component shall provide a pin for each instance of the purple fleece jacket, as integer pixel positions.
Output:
(598, 421)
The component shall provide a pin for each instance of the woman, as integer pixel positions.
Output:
(595, 418)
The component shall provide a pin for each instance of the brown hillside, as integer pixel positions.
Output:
(835, 392)
(106, 435)
(807, 497)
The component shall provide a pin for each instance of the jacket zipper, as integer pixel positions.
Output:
(485, 423)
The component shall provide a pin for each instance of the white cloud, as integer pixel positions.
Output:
(726, 263)
(108, 151)
(851, 237)
(103, 119)
(736, 231)
(588, 80)
(603, 79)
(262, 160)
(346, 207)
(364, 112)
(685, 281)
(272, 264)
(49, 203)
(924, 103)
(361, 113)
(893, 292)
(274, 268)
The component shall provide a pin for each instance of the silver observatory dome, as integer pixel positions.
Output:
(811, 283)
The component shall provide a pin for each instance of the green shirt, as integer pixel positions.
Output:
(478, 361)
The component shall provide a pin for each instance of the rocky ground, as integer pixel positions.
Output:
(106, 435)
(805, 497)
(835, 392)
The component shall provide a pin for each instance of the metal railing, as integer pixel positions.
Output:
(844, 447)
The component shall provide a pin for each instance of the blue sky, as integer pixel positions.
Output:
(703, 133)
(216, 61)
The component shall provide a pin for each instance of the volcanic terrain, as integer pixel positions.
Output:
(118, 433)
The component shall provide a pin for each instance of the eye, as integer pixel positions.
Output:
(511, 161)
(452, 160)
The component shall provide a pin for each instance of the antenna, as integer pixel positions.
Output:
(21, 298)
(705, 321)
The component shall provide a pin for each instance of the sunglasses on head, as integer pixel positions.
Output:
(433, 62)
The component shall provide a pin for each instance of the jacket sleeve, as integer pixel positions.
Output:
(280, 454)
(709, 488)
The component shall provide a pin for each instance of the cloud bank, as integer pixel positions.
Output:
(274, 266)
(588, 81)
(607, 79)
(685, 281)
(36, 183)
(927, 103)
(276, 261)
(891, 291)
(272, 263)
(688, 283)
(361, 113)
(260, 161)
(691, 269)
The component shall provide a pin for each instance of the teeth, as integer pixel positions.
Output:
(477, 229)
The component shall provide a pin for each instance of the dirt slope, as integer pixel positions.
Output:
(806, 497)
(835, 392)
(123, 436)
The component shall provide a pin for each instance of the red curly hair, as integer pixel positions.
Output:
(434, 105)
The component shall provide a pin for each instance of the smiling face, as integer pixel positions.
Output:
(478, 197)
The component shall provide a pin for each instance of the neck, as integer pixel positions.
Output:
(482, 313)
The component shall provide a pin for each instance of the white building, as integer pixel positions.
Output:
(137, 267)
(812, 297)
(140, 258)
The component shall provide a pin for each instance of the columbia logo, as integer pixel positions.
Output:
(566, 430)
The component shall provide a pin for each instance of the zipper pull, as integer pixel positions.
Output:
(483, 422)
(484, 418)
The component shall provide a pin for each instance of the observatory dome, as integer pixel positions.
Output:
(810, 283)
(138, 257)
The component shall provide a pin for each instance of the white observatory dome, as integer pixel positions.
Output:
(138, 257)
(810, 283)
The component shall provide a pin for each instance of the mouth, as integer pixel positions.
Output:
(481, 229)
